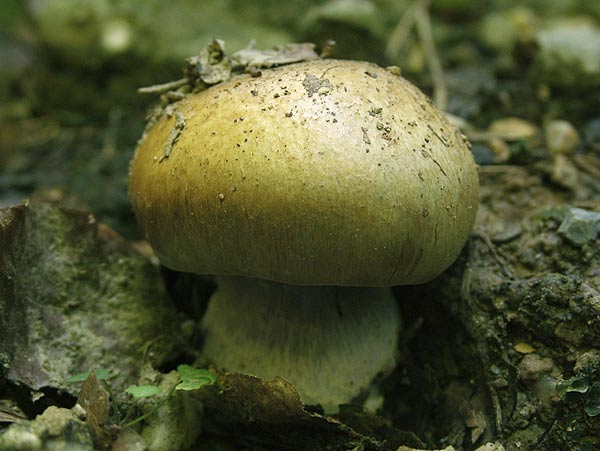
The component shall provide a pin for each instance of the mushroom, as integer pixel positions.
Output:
(308, 191)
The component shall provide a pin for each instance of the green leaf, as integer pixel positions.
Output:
(194, 378)
(592, 407)
(143, 391)
(592, 404)
(101, 374)
(572, 385)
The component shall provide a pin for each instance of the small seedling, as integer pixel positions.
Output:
(189, 378)
(102, 374)
(194, 378)
(572, 385)
(143, 391)
(584, 390)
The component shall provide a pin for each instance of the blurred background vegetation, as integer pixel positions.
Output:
(70, 115)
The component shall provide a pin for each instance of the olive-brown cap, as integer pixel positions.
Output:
(325, 172)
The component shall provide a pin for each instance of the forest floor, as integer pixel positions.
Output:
(501, 352)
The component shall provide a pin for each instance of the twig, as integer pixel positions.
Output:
(109, 143)
(164, 87)
(479, 341)
(440, 93)
(400, 33)
(154, 409)
(500, 261)
(417, 14)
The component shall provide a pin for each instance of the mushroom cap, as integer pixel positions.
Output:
(325, 172)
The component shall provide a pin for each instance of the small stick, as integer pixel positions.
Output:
(440, 93)
(417, 14)
(157, 89)
(400, 33)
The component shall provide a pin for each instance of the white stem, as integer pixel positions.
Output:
(330, 342)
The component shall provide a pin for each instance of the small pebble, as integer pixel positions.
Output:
(580, 226)
(564, 173)
(514, 129)
(570, 46)
(561, 137)
(500, 149)
(587, 361)
(491, 447)
(116, 36)
(545, 389)
(483, 155)
(533, 367)
(591, 135)
(503, 30)
(523, 348)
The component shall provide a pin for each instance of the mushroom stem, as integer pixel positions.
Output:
(330, 342)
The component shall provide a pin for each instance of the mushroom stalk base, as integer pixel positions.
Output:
(331, 343)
